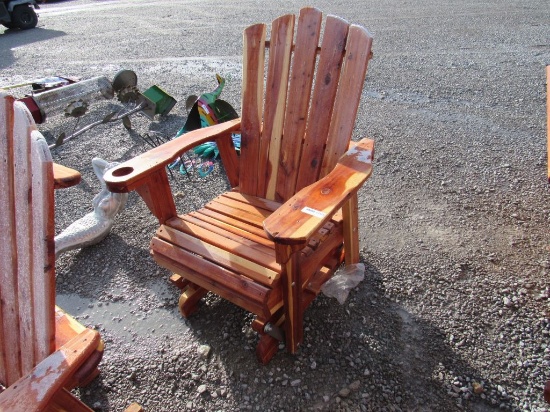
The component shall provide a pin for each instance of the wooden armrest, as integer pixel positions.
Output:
(130, 174)
(34, 391)
(65, 177)
(303, 214)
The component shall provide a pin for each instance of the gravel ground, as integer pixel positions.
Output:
(453, 313)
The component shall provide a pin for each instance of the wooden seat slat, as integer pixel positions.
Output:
(251, 120)
(280, 50)
(255, 201)
(256, 213)
(225, 240)
(230, 285)
(241, 215)
(235, 226)
(254, 271)
(297, 108)
(346, 102)
(25, 200)
(326, 84)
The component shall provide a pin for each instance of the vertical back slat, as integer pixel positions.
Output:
(252, 106)
(280, 49)
(27, 254)
(303, 66)
(326, 84)
(358, 51)
(10, 367)
(24, 229)
(43, 247)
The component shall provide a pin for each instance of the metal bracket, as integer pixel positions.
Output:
(274, 331)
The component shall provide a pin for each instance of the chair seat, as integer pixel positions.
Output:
(223, 248)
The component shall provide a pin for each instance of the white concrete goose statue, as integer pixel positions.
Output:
(93, 227)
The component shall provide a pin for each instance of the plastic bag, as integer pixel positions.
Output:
(343, 281)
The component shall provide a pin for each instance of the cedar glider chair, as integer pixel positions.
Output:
(43, 351)
(270, 243)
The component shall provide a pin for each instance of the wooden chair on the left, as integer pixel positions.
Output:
(44, 352)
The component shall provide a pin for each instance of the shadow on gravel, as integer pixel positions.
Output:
(370, 351)
(13, 38)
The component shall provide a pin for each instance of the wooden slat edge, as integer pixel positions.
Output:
(252, 105)
(219, 256)
(356, 59)
(43, 247)
(240, 246)
(243, 292)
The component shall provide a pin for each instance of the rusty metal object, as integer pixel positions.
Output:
(94, 89)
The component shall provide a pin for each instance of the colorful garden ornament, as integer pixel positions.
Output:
(206, 110)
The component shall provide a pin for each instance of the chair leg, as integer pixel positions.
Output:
(351, 230)
(89, 378)
(268, 344)
(267, 347)
(293, 308)
(63, 400)
(89, 370)
(190, 296)
(189, 299)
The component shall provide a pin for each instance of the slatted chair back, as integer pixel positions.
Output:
(299, 108)
(27, 278)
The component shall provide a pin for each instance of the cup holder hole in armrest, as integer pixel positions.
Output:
(123, 171)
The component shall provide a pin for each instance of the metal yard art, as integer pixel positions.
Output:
(74, 98)
(206, 110)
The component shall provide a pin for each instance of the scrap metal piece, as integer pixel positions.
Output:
(128, 94)
(123, 79)
(77, 108)
(162, 102)
(111, 117)
(59, 99)
(49, 83)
